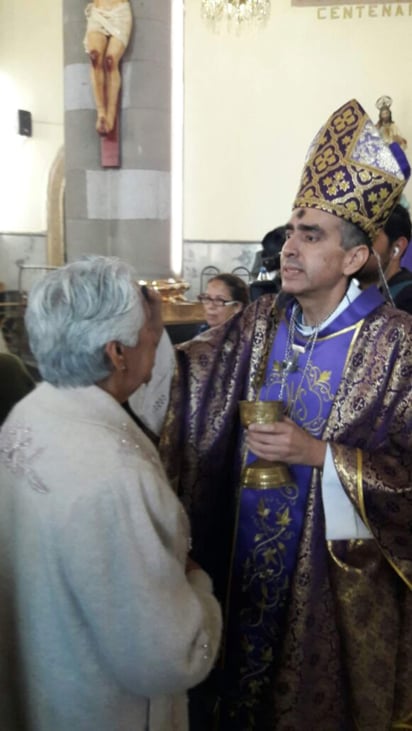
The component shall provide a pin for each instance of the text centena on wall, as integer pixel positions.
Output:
(347, 9)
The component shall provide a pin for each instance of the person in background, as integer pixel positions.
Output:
(313, 560)
(272, 243)
(15, 383)
(226, 295)
(105, 621)
(270, 282)
(384, 264)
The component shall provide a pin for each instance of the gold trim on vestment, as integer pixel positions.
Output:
(340, 563)
(402, 724)
(397, 569)
(362, 509)
(358, 327)
(365, 518)
(337, 333)
(359, 481)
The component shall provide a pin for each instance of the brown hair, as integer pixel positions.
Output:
(239, 290)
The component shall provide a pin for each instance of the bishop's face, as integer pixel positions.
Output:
(314, 266)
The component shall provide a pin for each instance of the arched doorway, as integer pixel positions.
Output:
(55, 212)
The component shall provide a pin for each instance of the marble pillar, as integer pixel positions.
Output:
(122, 212)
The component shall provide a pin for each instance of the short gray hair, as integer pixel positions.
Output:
(352, 235)
(74, 311)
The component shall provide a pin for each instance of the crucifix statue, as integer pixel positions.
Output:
(109, 25)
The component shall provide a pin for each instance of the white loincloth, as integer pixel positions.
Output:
(116, 22)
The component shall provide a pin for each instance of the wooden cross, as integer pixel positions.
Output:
(110, 146)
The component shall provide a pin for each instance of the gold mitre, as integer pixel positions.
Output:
(351, 172)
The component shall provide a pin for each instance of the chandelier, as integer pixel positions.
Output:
(236, 12)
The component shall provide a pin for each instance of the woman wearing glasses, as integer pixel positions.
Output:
(226, 294)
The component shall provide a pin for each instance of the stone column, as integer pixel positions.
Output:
(122, 212)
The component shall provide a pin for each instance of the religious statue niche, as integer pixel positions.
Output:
(109, 25)
(385, 124)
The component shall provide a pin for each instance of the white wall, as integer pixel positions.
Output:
(31, 78)
(255, 100)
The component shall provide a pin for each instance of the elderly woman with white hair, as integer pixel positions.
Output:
(104, 621)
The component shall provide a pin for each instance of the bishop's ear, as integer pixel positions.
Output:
(355, 259)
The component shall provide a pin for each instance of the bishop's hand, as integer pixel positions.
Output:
(285, 441)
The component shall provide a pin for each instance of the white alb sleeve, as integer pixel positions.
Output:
(151, 400)
(342, 519)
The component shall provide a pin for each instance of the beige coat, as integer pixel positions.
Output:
(100, 627)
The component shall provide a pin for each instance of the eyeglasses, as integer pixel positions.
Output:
(216, 301)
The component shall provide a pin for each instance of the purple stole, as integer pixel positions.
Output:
(270, 520)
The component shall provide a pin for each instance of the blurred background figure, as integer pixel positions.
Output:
(15, 383)
(386, 126)
(267, 264)
(105, 621)
(384, 264)
(226, 294)
(109, 25)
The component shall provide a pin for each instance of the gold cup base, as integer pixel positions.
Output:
(263, 474)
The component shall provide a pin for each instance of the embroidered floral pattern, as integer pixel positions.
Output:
(16, 452)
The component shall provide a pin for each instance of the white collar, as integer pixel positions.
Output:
(350, 296)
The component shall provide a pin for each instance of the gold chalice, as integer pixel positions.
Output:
(263, 473)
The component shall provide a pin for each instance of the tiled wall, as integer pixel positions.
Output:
(225, 255)
(15, 249)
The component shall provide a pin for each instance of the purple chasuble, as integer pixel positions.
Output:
(270, 520)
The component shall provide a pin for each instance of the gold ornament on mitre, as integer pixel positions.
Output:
(351, 172)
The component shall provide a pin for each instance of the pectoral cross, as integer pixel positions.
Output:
(290, 364)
